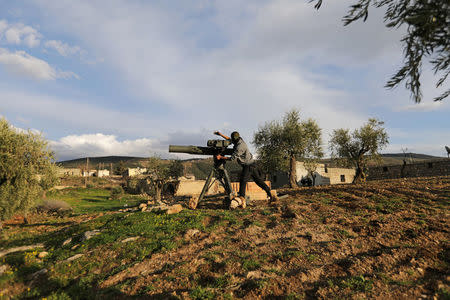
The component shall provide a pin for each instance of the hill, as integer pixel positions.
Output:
(129, 161)
(380, 240)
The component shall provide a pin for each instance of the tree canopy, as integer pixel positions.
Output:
(360, 146)
(280, 144)
(427, 36)
(27, 169)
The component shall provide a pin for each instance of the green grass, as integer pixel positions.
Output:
(92, 200)
(157, 233)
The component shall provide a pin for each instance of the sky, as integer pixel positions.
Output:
(130, 77)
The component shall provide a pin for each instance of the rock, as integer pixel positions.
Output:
(288, 212)
(37, 274)
(191, 233)
(75, 247)
(144, 208)
(255, 275)
(90, 234)
(68, 241)
(193, 202)
(420, 270)
(130, 239)
(142, 205)
(3, 268)
(72, 258)
(42, 254)
(174, 209)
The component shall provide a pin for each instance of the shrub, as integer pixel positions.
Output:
(54, 206)
(26, 170)
(116, 192)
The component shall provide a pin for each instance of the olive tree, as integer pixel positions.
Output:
(159, 172)
(280, 144)
(427, 36)
(27, 169)
(360, 146)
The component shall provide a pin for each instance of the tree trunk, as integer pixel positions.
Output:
(359, 176)
(292, 172)
(158, 190)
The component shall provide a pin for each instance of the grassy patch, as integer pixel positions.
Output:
(93, 200)
(357, 284)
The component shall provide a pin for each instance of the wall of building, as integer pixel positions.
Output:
(324, 175)
(68, 172)
(422, 169)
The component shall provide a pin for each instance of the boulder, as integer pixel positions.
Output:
(72, 258)
(3, 268)
(66, 242)
(42, 254)
(191, 233)
(174, 209)
(130, 239)
(90, 234)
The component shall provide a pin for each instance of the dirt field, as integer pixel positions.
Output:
(379, 240)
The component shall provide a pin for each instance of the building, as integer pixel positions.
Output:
(432, 167)
(102, 173)
(68, 172)
(135, 171)
(324, 175)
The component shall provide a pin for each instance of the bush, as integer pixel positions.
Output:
(117, 192)
(26, 170)
(51, 206)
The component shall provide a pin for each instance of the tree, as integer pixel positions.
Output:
(158, 172)
(176, 169)
(360, 146)
(427, 35)
(27, 169)
(280, 144)
(120, 168)
(311, 166)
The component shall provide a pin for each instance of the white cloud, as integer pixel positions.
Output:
(18, 34)
(62, 48)
(99, 144)
(423, 106)
(21, 63)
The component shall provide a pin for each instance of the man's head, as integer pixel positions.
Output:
(235, 137)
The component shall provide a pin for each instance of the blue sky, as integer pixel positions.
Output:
(131, 77)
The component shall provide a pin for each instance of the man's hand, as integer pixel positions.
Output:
(222, 135)
(219, 157)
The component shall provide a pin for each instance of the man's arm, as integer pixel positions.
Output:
(222, 135)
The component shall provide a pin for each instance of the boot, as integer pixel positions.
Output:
(273, 197)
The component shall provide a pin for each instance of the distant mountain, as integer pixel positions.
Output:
(129, 161)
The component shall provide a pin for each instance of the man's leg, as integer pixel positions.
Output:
(243, 180)
(256, 175)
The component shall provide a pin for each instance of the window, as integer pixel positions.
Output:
(430, 165)
(342, 178)
(385, 169)
(326, 168)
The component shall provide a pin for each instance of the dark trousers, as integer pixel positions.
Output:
(253, 171)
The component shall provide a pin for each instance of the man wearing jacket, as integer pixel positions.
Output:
(243, 156)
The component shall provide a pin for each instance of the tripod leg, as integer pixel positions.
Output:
(206, 186)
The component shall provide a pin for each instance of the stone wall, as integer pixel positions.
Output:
(439, 167)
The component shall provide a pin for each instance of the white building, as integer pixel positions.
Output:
(102, 173)
(323, 175)
(135, 171)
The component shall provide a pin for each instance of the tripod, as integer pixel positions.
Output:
(221, 175)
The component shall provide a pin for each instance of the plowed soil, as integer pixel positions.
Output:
(379, 240)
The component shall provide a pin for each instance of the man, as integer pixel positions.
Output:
(243, 156)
